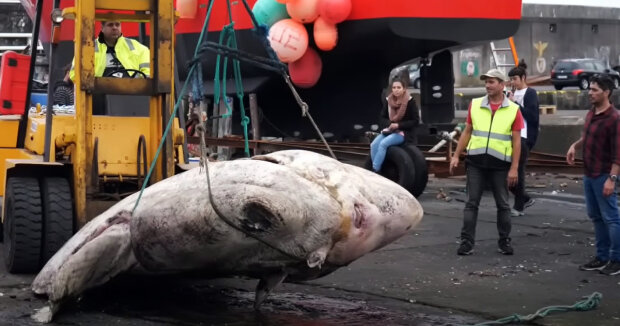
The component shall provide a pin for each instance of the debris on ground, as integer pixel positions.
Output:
(441, 195)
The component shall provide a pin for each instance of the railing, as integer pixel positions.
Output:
(15, 35)
(27, 36)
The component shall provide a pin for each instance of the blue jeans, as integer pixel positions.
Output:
(379, 146)
(603, 211)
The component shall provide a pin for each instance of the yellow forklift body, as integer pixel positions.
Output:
(7, 161)
(8, 131)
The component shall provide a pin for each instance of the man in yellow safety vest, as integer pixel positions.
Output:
(116, 56)
(493, 139)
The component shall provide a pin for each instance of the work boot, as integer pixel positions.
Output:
(613, 268)
(466, 248)
(504, 247)
(594, 265)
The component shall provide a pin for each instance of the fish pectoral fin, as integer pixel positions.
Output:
(265, 285)
(317, 257)
(266, 159)
(45, 314)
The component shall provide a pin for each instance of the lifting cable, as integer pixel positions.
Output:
(196, 68)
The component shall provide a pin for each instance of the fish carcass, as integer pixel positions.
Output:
(289, 215)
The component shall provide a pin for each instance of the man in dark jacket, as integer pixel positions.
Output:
(528, 103)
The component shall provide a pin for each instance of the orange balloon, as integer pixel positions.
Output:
(306, 71)
(325, 34)
(303, 11)
(187, 8)
(289, 39)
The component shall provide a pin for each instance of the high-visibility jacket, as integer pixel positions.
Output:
(131, 53)
(492, 133)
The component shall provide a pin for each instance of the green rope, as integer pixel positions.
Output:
(232, 43)
(229, 37)
(176, 106)
(588, 303)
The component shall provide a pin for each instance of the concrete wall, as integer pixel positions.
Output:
(579, 32)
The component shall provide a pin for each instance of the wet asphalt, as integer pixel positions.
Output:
(418, 280)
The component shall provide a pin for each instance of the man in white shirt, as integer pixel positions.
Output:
(528, 102)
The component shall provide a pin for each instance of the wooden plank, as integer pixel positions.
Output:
(547, 109)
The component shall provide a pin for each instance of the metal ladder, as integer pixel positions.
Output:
(510, 48)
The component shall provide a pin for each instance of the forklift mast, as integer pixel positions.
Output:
(159, 85)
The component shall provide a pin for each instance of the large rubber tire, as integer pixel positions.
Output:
(22, 225)
(57, 215)
(397, 167)
(420, 167)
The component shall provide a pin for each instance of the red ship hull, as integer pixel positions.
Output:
(376, 37)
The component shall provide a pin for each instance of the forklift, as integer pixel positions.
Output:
(60, 170)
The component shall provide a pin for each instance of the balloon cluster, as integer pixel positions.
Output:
(289, 38)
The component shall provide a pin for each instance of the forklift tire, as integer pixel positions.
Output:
(421, 169)
(57, 215)
(397, 167)
(22, 225)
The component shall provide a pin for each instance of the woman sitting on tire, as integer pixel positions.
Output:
(399, 118)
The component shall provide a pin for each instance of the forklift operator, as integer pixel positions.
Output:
(117, 56)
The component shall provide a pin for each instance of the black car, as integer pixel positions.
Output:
(577, 72)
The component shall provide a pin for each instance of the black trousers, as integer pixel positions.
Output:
(477, 179)
(521, 197)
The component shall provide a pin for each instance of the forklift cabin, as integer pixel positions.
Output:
(59, 171)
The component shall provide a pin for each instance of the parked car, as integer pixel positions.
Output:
(577, 72)
(412, 73)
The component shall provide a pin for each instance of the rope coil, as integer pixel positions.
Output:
(588, 303)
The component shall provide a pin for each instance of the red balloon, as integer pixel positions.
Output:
(335, 11)
(306, 71)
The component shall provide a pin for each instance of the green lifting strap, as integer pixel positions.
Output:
(228, 36)
(192, 70)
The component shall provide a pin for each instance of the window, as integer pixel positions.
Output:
(599, 66)
(588, 66)
(565, 65)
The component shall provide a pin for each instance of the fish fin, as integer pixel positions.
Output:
(45, 314)
(317, 257)
(266, 159)
(265, 285)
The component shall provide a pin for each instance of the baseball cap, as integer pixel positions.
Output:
(494, 73)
